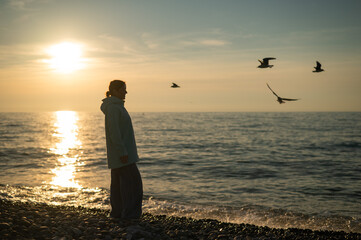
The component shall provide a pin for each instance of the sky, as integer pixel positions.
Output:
(61, 54)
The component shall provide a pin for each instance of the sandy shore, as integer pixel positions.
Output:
(41, 221)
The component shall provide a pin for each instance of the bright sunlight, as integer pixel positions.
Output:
(66, 131)
(66, 57)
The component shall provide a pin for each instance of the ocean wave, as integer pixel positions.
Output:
(253, 214)
(349, 144)
(334, 146)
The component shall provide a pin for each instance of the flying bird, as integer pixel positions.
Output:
(280, 99)
(175, 85)
(318, 67)
(265, 62)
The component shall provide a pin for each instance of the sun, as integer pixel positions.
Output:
(66, 57)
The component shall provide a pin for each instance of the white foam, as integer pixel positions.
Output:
(256, 215)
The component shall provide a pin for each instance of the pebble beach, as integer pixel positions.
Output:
(20, 220)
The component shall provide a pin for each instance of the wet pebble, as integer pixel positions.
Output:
(41, 221)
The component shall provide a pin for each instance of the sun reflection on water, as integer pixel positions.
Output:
(67, 133)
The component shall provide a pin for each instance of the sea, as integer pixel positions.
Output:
(275, 169)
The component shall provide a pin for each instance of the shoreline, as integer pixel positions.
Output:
(41, 221)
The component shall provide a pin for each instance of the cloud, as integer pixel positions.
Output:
(113, 49)
(24, 4)
(213, 42)
(18, 55)
(149, 42)
(205, 43)
(118, 45)
(210, 38)
(155, 47)
(19, 4)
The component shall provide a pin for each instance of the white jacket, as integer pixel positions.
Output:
(119, 133)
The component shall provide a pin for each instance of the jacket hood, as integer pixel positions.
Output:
(109, 101)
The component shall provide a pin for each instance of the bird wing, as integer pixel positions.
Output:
(318, 64)
(266, 60)
(260, 61)
(289, 99)
(272, 90)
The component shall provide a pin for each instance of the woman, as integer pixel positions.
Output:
(126, 189)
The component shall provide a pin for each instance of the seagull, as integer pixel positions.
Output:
(264, 63)
(318, 67)
(175, 85)
(280, 99)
